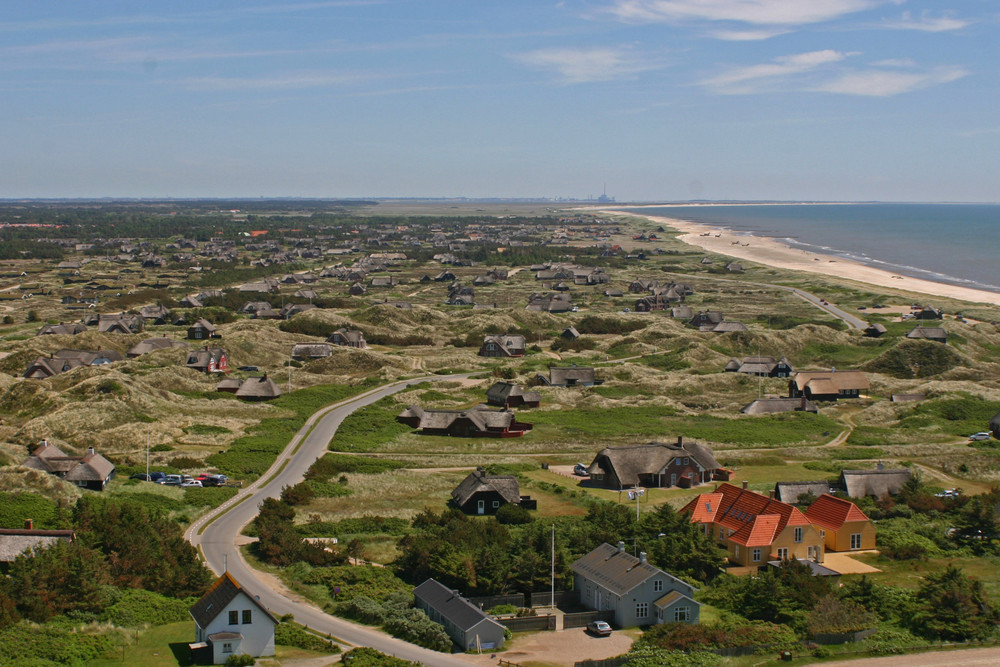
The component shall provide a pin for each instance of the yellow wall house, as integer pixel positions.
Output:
(754, 528)
(845, 527)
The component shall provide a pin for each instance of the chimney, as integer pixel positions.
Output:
(802, 405)
(680, 440)
(29, 524)
(744, 485)
(621, 547)
(880, 466)
(642, 556)
(770, 494)
(90, 450)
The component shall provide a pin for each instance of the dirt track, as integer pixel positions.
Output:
(973, 657)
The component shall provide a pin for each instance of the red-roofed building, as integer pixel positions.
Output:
(842, 525)
(754, 528)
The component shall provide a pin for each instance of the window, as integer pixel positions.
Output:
(641, 609)
(227, 647)
(855, 540)
(736, 552)
(247, 617)
(682, 614)
(822, 533)
(657, 585)
(673, 479)
(234, 618)
(685, 461)
(722, 533)
(496, 503)
(783, 553)
(798, 534)
(756, 555)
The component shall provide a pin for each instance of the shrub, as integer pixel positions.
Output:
(373, 582)
(185, 462)
(369, 657)
(137, 607)
(292, 634)
(512, 514)
(504, 609)
(592, 324)
(241, 660)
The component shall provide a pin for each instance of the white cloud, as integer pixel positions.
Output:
(290, 81)
(755, 78)
(757, 12)
(585, 65)
(895, 62)
(746, 35)
(927, 23)
(884, 83)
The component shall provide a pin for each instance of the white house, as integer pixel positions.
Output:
(610, 578)
(229, 621)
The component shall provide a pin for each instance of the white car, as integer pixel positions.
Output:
(192, 482)
(982, 435)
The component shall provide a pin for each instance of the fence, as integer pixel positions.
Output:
(529, 623)
(843, 637)
(543, 598)
(607, 662)
(487, 602)
(580, 619)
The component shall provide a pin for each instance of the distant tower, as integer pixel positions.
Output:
(604, 198)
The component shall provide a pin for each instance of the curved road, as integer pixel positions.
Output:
(216, 532)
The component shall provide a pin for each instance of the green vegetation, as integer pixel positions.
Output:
(250, 456)
(293, 634)
(367, 428)
(915, 359)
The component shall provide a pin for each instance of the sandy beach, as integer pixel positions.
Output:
(768, 251)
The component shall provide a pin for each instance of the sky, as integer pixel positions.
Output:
(650, 100)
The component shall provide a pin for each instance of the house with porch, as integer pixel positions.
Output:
(611, 579)
(229, 620)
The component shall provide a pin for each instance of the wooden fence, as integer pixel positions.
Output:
(543, 598)
(529, 623)
(580, 619)
(487, 602)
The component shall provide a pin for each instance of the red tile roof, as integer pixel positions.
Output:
(735, 508)
(831, 512)
(761, 531)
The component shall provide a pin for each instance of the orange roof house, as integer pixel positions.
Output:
(843, 526)
(755, 528)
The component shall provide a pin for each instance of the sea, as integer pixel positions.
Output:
(948, 243)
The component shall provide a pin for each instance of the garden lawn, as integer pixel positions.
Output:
(159, 646)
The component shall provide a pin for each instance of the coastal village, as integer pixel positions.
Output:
(570, 437)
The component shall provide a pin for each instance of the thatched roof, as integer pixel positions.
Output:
(877, 483)
(789, 492)
(478, 481)
(567, 375)
(501, 392)
(312, 350)
(830, 382)
(14, 542)
(152, 345)
(629, 462)
(767, 406)
(929, 333)
(261, 388)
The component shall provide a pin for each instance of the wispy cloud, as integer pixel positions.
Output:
(895, 62)
(746, 35)
(580, 65)
(288, 81)
(885, 83)
(927, 23)
(766, 76)
(756, 12)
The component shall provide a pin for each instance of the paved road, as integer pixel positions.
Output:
(216, 532)
(851, 321)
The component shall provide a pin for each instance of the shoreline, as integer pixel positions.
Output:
(771, 252)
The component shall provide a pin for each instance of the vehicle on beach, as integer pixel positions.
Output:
(599, 628)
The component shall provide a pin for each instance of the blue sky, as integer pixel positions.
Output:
(658, 99)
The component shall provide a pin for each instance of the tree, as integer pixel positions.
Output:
(679, 546)
(977, 523)
(834, 615)
(952, 606)
(64, 577)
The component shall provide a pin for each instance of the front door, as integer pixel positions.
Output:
(481, 507)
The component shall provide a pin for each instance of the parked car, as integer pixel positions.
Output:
(982, 435)
(142, 476)
(580, 469)
(251, 369)
(156, 476)
(172, 480)
(191, 482)
(599, 628)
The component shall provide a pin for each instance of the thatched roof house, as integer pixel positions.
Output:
(510, 395)
(311, 351)
(570, 376)
(348, 338)
(502, 345)
(657, 464)
(936, 334)
(760, 366)
(90, 471)
(875, 330)
(480, 493)
(17, 541)
(790, 492)
(768, 406)
(258, 389)
(875, 483)
(474, 422)
(152, 345)
(62, 329)
(828, 385)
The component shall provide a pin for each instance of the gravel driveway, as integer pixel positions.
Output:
(559, 648)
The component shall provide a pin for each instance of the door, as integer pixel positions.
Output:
(481, 507)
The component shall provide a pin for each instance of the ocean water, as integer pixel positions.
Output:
(949, 243)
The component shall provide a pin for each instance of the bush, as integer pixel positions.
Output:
(292, 634)
(241, 660)
(136, 607)
(512, 514)
(369, 657)
(377, 583)
(504, 609)
(366, 525)
(592, 324)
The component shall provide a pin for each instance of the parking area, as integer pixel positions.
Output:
(559, 648)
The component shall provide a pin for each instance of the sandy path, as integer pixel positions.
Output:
(564, 647)
(973, 657)
(768, 251)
